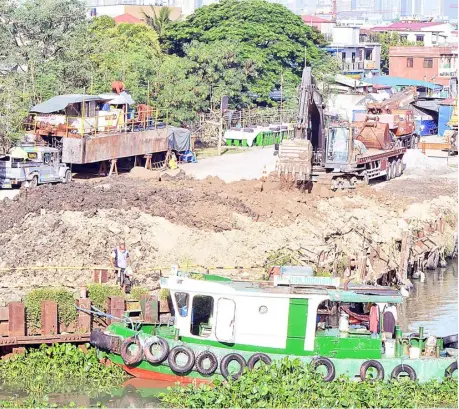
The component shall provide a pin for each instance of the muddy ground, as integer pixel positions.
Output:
(179, 220)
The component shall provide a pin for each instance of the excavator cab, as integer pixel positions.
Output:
(337, 151)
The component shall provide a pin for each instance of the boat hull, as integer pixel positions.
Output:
(425, 368)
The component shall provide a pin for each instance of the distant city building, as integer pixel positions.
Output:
(434, 64)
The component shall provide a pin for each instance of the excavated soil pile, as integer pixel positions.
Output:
(179, 220)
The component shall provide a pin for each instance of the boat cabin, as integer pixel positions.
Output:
(314, 316)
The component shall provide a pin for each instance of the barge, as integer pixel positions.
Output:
(219, 327)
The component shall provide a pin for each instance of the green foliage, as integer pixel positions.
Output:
(160, 21)
(98, 293)
(270, 36)
(61, 368)
(66, 310)
(387, 40)
(164, 294)
(137, 292)
(290, 384)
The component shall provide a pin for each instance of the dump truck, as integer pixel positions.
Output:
(341, 153)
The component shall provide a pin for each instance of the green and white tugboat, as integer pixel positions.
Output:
(219, 326)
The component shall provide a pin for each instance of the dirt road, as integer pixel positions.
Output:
(208, 222)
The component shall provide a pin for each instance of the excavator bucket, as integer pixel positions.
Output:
(295, 160)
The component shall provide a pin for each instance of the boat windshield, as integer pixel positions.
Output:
(338, 145)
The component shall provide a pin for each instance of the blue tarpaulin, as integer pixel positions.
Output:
(444, 115)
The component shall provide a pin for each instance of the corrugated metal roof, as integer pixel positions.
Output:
(60, 102)
(406, 26)
(402, 82)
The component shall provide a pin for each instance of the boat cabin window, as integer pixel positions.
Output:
(356, 316)
(202, 315)
(182, 303)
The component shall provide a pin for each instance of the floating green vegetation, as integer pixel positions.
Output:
(290, 384)
(61, 368)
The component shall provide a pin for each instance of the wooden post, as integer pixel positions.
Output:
(404, 255)
(48, 318)
(148, 162)
(113, 168)
(16, 323)
(362, 267)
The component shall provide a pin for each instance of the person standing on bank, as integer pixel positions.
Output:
(120, 260)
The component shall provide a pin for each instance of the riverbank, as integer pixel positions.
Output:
(180, 220)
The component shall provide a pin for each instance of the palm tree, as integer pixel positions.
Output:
(159, 22)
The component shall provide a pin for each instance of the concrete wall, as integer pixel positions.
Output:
(346, 35)
(398, 63)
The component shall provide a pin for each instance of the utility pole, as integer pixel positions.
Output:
(282, 95)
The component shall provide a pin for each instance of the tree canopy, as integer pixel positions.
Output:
(243, 49)
(268, 34)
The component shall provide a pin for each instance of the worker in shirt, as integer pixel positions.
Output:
(120, 260)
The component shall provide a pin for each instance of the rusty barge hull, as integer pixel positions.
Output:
(92, 149)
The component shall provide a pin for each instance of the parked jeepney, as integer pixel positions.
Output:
(30, 166)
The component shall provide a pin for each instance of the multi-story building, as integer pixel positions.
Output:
(434, 64)
(358, 59)
(428, 33)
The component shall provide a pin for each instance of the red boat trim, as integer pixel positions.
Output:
(146, 374)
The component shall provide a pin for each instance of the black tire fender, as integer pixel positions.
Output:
(371, 364)
(224, 364)
(99, 340)
(402, 368)
(450, 370)
(172, 359)
(131, 358)
(200, 363)
(255, 358)
(450, 339)
(321, 361)
(162, 344)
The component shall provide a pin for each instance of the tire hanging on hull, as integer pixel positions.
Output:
(255, 358)
(147, 350)
(200, 363)
(131, 358)
(321, 361)
(181, 368)
(407, 369)
(224, 364)
(371, 364)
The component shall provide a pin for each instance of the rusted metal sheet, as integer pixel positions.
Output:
(48, 318)
(84, 319)
(116, 307)
(121, 145)
(100, 276)
(16, 323)
(44, 339)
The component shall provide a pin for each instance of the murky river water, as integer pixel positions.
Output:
(433, 304)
